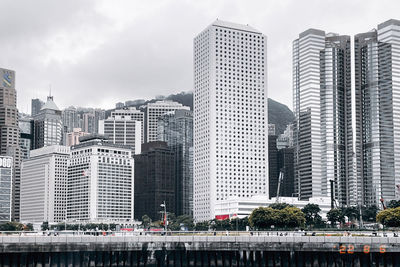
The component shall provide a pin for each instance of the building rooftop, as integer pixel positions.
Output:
(50, 104)
(235, 26)
(388, 23)
(313, 32)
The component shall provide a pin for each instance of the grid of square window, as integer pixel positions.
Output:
(230, 116)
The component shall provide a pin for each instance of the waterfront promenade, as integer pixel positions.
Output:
(199, 249)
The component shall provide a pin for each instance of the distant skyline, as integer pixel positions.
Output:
(97, 53)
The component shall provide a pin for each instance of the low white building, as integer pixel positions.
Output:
(124, 127)
(100, 181)
(243, 207)
(44, 185)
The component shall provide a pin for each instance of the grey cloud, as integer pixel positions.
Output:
(151, 53)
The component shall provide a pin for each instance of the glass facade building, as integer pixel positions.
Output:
(176, 128)
(377, 69)
(154, 180)
(48, 125)
(322, 107)
(152, 112)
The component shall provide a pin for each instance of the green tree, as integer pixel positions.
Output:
(146, 221)
(335, 215)
(389, 217)
(352, 213)
(280, 206)
(11, 226)
(28, 227)
(262, 218)
(369, 213)
(45, 226)
(221, 225)
(239, 224)
(202, 226)
(289, 217)
(393, 204)
(183, 220)
(311, 213)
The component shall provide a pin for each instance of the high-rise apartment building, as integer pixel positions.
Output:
(154, 180)
(48, 126)
(176, 128)
(230, 115)
(36, 106)
(100, 181)
(124, 127)
(153, 111)
(70, 119)
(89, 123)
(9, 131)
(99, 114)
(322, 107)
(44, 185)
(377, 72)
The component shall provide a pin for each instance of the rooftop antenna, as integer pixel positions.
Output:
(50, 96)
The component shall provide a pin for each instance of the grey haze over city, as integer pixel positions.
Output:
(96, 53)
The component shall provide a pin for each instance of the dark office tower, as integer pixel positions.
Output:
(36, 106)
(322, 107)
(286, 165)
(176, 128)
(273, 171)
(377, 85)
(48, 127)
(9, 132)
(154, 180)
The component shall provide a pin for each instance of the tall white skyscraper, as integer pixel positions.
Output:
(377, 69)
(230, 116)
(322, 107)
(155, 110)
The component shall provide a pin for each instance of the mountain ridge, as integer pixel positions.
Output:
(278, 113)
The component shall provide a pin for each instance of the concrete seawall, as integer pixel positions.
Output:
(193, 242)
(196, 250)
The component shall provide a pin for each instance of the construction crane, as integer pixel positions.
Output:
(280, 180)
(383, 203)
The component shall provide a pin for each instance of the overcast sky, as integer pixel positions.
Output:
(96, 53)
